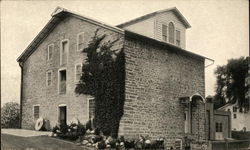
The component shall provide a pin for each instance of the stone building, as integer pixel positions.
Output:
(164, 83)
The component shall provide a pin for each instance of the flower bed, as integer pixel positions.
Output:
(78, 133)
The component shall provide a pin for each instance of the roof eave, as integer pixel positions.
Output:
(56, 15)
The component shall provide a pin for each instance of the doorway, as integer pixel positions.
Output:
(62, 118)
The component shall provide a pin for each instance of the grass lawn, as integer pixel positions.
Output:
(10, 142)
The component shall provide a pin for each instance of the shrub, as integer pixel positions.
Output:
(71, 132)
(10, 115)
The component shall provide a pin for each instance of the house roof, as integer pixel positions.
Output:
(225, 106)
(57, 16)
(61, 13)
(147, 16)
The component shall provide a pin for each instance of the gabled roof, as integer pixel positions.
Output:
(225, 106)
(61, 13)
(58, 14)
(173, 9)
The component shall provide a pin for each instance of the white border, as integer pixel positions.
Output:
(34, 112)
(77, 44)
(65, 40)
(58, 79)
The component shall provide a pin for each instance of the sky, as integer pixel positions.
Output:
(219, 29)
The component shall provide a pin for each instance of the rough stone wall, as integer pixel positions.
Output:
(155, 80)
(35, 91)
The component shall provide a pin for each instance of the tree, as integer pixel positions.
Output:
(10, 115)
(104, 77)
(231, 85)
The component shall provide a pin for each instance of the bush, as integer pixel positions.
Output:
(10, 115)
(71, 132)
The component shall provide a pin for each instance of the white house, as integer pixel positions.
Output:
(240, 117)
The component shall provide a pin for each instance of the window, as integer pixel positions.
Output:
(78, 72)
(91, 102)
(228, 110)
(50, 51)
(235, 115)
(80, 41)
(164, 33)
(36, 112)
(178, 38)
(62, 81)
(64, 52)
(49, 78)
(234, 109)
(178, 144)
(218, 127)
(171, 32)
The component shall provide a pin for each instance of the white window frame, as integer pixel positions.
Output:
(67, 51)
(47, 77)
(76, 70)
(77, 46)
(33, 108)
(88, 99)
(53, 46)
(58, 80)
(180, 143)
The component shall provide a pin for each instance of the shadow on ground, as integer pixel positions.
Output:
(11, 142)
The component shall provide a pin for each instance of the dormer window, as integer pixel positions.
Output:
(171, 32)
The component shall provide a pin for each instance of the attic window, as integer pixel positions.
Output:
(171, 32)
(164, 33)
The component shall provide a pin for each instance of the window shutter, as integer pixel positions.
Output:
(178, 38)
(164, 32)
